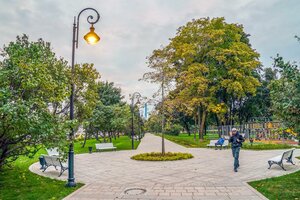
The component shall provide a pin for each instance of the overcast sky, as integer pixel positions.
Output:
(131, 29)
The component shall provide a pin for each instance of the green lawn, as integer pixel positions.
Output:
(188, 141)
(18, 182)
(122, 143)
(283, 187)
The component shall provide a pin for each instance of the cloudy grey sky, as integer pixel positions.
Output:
(131, 29)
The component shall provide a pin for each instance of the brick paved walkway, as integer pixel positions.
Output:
(207, 176)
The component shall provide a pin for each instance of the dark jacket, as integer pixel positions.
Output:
(233, 140)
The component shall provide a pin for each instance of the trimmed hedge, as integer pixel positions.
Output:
(157, 156)
(261, 146)
(173, 130)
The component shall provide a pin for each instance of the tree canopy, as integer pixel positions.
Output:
(285, 93)
(34, 98)
(211, 65)
(33, 79)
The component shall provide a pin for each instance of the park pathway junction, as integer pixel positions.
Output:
(209, 175)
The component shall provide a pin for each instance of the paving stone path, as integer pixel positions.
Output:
(209, 175)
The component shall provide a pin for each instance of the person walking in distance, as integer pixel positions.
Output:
(236, 141)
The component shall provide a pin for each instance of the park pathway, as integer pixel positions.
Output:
(209, 175)
(152, 143)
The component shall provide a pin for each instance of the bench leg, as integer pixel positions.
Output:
(281, 165)
(62, 170)
(291, 161)
(46, 166)
(270, 164)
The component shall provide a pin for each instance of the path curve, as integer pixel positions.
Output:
(209, 175)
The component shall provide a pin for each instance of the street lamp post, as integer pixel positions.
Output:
(133, 96)
(162, 121)
(91, 38)
(139, 124)
(140, 127)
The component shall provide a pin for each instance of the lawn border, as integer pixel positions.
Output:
(253, 190)
(76, 191)
(288, 173)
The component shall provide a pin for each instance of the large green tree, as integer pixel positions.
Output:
(32, 80)
(100, 95)
(109, 94)
(86, 92)
(161, 73)
(259, 105)
(285, 93)
(153, 124)
(109, 120)
(213, 67)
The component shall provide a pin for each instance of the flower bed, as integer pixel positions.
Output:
(157, 156)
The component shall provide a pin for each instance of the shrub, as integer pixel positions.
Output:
(262, 146)
(174, 129)
(157, 156)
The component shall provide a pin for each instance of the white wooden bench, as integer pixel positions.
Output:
(105, 146)
(53, 151)
(224, 145)
(212, 143)
(285, 156)
(55, 161)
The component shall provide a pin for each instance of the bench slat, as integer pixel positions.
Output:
(105, 146)
(53, 152)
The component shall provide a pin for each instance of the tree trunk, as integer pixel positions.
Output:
(110, 138)
(195, 131)
(202, 125)
(97, 136)
(230, 113)
(205, 127)
(3, 155)
(84, 141)
(218, 125)
(163, 115)
(187, 128)
(240, 113)
(199, 121)
(104, 137)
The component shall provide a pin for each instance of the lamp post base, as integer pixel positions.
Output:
(71, 179)
(71, 183)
